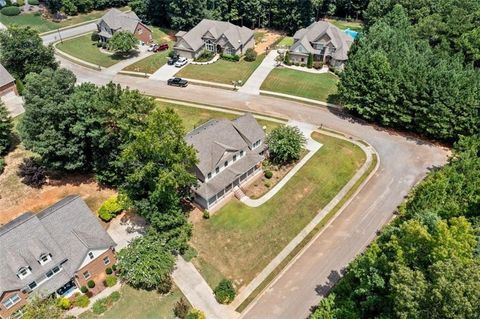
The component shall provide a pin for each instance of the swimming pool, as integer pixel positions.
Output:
(353, 34)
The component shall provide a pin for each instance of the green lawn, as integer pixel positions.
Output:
(85, 49)
(140, 304)
(154, 62)
(286, 42)
(221, 71)
(41, 24)
(239, 241)
(258, 35)
(342, 25)
(299, 83)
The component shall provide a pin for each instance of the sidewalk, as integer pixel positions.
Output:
(119, 66)
(312, 146)
(198, 293)
(254, 82)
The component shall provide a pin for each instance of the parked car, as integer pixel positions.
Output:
(181, 62)
(151, 47)
(177, 82)
(161, 47)
(172, 60)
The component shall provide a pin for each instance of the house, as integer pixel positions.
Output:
(215, 36)
(51, 253)
(115, 20)
(326, 42)
(7, 82)
(229, 152)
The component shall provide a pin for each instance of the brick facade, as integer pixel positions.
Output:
(143, 33)
(7, 88)
(96, 268)
(6, 313)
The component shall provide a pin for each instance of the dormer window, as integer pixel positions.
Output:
(225, 164)
(209, 175)
(241, 153)
(217, 170)
(90, 254)
(234, 157)
(44, 259)
(24, 272)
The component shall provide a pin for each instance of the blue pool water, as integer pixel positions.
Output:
(353, 34)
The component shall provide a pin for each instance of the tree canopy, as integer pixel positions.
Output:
(122, 42)
(22, 51)
(285, 144)
(6, 127)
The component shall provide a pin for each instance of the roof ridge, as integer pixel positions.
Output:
(53, 208)
(4, 229)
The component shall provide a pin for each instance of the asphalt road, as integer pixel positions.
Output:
(67, 33)
(404, 161)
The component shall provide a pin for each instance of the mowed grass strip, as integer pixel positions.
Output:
(85, 49)
(316, 86)
(239, 241)
(221, 71)
(343, 24)
(140, 304)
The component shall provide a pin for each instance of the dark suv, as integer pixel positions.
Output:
(172, 60)
(177, 82)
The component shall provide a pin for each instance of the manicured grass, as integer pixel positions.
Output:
(41, 24)
(154, 62)
(342, 25)
(239, 241)
(85, 49)
(286, 42)
(193, 117)
(221, 71)
(299, 83)
(140, 304)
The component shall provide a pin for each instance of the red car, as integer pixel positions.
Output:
(160, 47)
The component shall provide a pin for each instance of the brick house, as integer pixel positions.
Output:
(7, 82)
(53, 252)
(115, 20)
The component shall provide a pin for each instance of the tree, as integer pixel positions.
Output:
(325, 309)
(146, 263)
(33, 173)
(225, 291)
(122, 42)
(6, 127)
(285, 144)
(181, 309)
(310, 61)
(22, 52)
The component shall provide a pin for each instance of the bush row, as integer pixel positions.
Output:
(10, 11)
(230, 57)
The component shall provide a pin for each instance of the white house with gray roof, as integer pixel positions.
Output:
(52, 252)
(229, 152)
(214, 36)
(326, 42)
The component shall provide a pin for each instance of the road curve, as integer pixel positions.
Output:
(404, 161)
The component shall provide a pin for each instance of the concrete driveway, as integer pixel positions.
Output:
(166, 72)
(404, 161)
(126, 227)
(14, 103)
(254, 82)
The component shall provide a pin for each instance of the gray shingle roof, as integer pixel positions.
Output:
(67, 230)
(339, 39)
(118, 20)
(235, 35)
(247, 126)
(5, 76)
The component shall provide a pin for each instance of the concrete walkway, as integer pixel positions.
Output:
(119, 66)
(254, 82)
(305, 69)
(105, 293)
(198, 293)
(312, 146)
(14, 103)
(166, 72)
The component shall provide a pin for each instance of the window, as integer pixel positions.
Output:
(55, 269)
(23, 272)
(106, 260)
(241, 153)
(210, 46)
(225, 164)
(234, 157)
(303, 59)
(32, 285)
(209, 175)
(86, 275)
(19, 313)
(217, 170)
(90, 254)
(11, 301)
(44, 258)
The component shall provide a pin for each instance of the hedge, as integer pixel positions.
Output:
(230, 57)
(10, 11)
(82, 301)
(33, 2)
(110, 281)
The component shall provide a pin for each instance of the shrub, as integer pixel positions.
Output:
(268, 174)
(287, 58)
(225, 292)
(32, 172)
(33, 2)
(285, 144)
(82, 301)
(114, 267)
(108, 271)
(95, 37)
(181, 309)
(171, 54)
(267, 184)
(20, 86)
(317, 65)
(230, 57)
(110, 208)
(20, 3)
(195, 314)
(91, 284)
(99, 306)
(296, 64)
(10, 11)
(83, 289)
(189, 253)
(310, 61)
(250, 55)
(110, 281)
(205, 56)
(206, 214)
(64, 303)
(302, 65)
(115, 296)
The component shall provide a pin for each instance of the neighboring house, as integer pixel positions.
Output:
(7, 82)
(324, 41)
(115, 20)
(214, 36)
(52, 252)
(229, 153)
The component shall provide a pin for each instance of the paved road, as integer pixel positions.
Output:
(67, 33)
(404, 161)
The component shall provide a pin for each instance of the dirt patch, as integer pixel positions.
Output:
(262, 185)
(17, 198)
(269, 37)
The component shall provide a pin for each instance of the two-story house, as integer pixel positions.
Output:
(55, 251)
(214, 36)
(115, 20)
(324, 41)
(229, 152)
